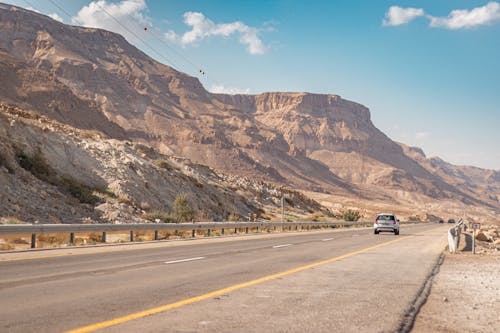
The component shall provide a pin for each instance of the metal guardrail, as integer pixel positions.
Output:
(454, 236)
(34, 229)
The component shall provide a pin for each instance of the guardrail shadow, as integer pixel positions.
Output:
(468, 243)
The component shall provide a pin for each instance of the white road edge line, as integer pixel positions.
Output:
(183, 260)
(283, 245)
(327, 239)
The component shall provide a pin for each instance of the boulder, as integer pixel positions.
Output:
(481, 236)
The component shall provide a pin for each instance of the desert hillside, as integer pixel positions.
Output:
(94, 81)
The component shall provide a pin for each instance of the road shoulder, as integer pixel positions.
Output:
(465, 296)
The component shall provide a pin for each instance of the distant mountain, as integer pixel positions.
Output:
(95, 80)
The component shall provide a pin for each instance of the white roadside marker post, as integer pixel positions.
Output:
(474, 226)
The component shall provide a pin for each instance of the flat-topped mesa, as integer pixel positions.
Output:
(301, 102)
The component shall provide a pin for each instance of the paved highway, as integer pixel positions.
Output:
(343, 280)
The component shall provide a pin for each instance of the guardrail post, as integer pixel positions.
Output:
(193, 232)
(104, 237)
(222, 231)
(246, 231)
(257, 229)
(72, 238)
(33, 241)
(156, 234)
(235, 230)
(208, 232)
(131, 235)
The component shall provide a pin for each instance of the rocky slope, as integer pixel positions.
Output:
(52, 172)
(92, 79)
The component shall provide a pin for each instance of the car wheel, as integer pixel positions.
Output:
(375, 232)
(396, 232)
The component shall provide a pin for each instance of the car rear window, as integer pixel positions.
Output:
(385, 218)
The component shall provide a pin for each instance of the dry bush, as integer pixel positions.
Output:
(94, 238)
(183, 233)
(125, 200)
(163, 216)
(164, 164)
(6, 247)
(52, 240)
(233, 217)
(145, 205)
(11, 220)
(19, 240)
(165, 234)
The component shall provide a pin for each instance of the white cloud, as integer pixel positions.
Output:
(95, 15)
(33, 9)
(202, 27)
(464, 19)
(221, 89)
(56, 17)
(397, 15)
(422, 135)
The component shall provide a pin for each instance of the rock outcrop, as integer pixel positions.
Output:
(93, 80)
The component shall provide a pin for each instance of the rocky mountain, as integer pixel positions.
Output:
(94, 80)
(53, 172)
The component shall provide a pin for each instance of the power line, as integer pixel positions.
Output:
(156, 34)
(168, 61)
(61, 9)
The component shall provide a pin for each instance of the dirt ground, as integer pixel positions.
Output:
(465, 294)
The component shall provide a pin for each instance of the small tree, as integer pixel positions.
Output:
(183, 212)
(351, 215)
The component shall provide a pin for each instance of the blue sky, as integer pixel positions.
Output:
(428, 70)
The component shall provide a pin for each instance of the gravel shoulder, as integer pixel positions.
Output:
(465, 295)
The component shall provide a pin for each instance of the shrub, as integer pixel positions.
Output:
(182, 210)
(39, 168)
(233, 217)
(36, 165)
(164, 217)
(125, 200)
(351, 215)
(80, 191)
(164, 164)
(107, 191)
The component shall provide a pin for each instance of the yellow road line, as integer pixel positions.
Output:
(167, 307)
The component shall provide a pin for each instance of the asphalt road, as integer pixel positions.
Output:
(349, 281)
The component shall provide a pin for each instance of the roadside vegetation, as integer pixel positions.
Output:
(38, 167)
(351, 215)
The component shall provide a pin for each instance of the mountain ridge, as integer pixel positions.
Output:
(93, 79)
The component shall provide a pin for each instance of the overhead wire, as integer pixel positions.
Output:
(155, 33)
(159, 54)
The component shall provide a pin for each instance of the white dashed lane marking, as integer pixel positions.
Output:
(282, 245)
(183, 260)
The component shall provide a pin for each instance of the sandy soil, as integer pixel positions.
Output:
(465, 295)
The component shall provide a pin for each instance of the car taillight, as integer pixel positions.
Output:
(394, 222)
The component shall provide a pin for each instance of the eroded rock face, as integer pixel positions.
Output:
(93, 79)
